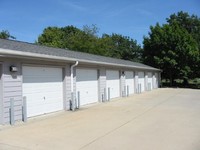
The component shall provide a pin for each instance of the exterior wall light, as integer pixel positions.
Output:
(13, 69)
(123, 73)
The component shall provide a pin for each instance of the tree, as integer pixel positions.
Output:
(91, 30)
(68, 37)
(123, 47)
(4, 34)
(192, 24)
(171, 48)
(51, 36)
(86, 40)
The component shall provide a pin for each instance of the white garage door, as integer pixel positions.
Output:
(141, 80)
(112, 82)
(150, 80)
(43, 87)
(130, 81)
(87, 85)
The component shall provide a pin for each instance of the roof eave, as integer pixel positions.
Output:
(20, 54)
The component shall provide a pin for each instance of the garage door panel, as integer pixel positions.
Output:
(86, 75)
(112, 82)
(41, 79)
(130, 81)
(43, 88)
(31, 111)
(141, 80)
(41, 71)
(52, 105)
(35, 105)
(112, 75)
(87, 85)
(113, 78)
(37, 88)
(150, 80)
(129, 74)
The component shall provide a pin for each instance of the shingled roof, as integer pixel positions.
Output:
(24, 47)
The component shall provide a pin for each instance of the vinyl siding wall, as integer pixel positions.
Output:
(74, 83)
(136, 82)
(11, 84)
(122, 83)
(12, 88)
(102, 84)
(145, 81)
(67, 87)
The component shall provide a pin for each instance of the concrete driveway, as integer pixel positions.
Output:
(163, 119)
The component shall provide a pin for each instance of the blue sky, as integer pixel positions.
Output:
(26, 19)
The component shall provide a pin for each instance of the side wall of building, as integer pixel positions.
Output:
(12, 89)
(146, 81)
(136, 82)
(122, 83)
(67, 87)
(102, 84)
(11, 84)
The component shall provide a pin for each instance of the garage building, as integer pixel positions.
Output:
(50, 78)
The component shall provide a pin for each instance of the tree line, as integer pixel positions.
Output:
(86, 40)
(174, 47)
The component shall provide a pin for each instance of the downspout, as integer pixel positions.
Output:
(72, 74)
(72, 83)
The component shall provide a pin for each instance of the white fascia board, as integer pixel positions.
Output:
(20, 54)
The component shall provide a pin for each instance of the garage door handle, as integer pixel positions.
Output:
(44, 98)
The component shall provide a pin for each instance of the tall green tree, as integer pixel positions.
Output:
(123, 47)
(67, 37)
(171, 48)
(92, 30)
(51, 36)
(192, 24)
(189, 22)
(4, 34)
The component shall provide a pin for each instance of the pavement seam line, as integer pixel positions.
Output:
(136, 117)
